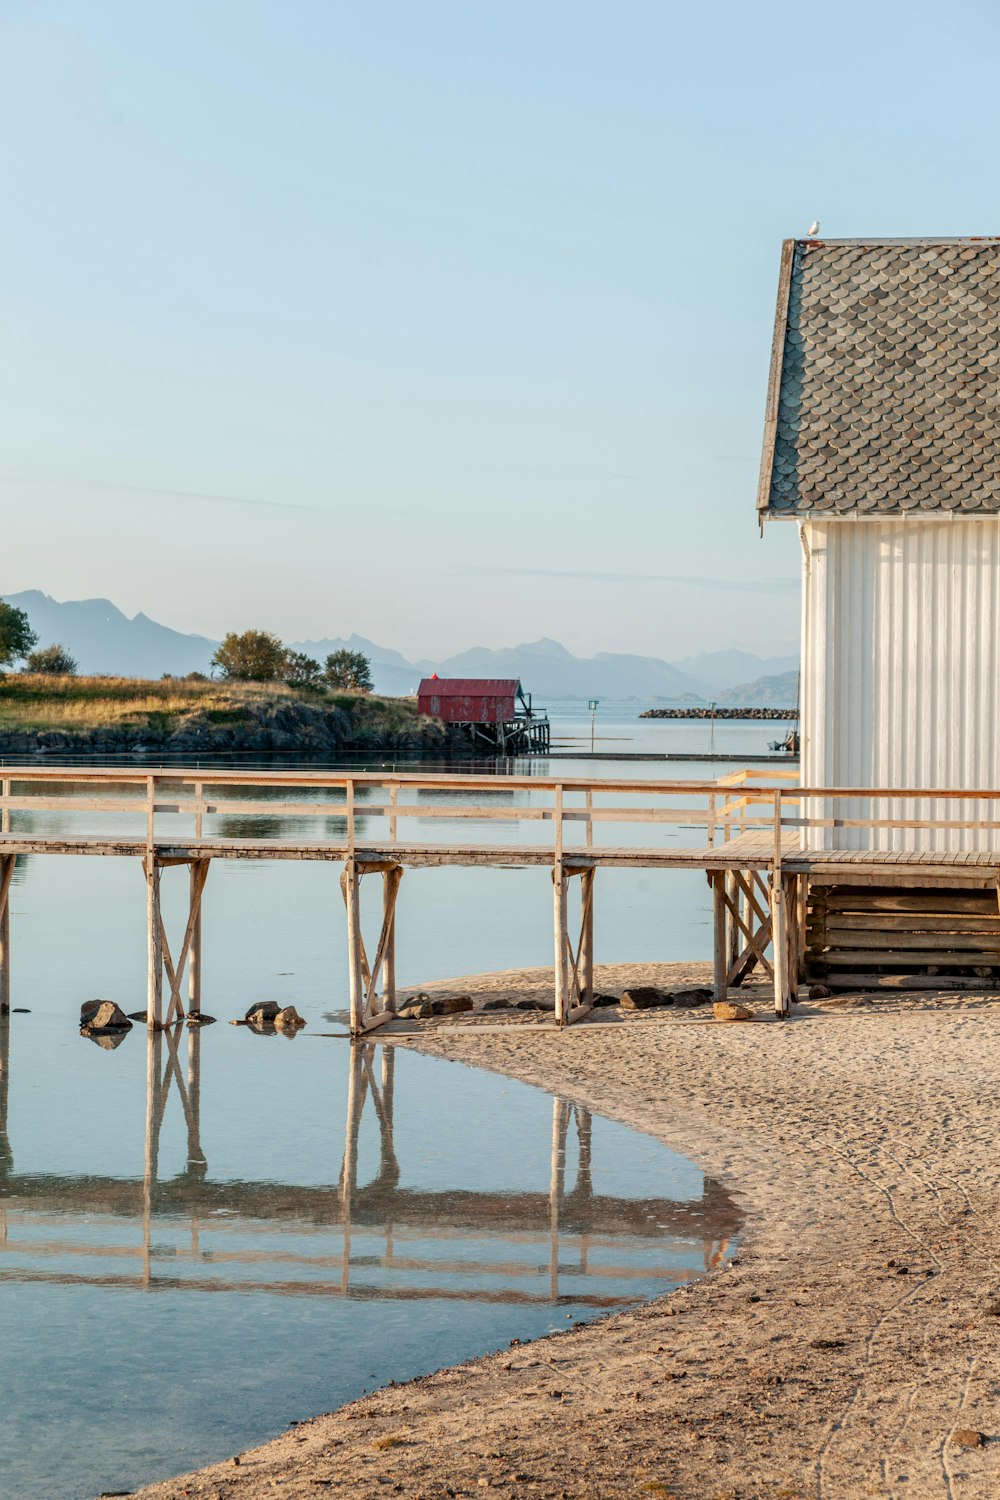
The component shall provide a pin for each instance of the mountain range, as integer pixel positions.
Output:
(104, 640)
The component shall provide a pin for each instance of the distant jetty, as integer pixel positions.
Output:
(705, 712)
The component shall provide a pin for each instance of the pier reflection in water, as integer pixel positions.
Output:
(131, 1386)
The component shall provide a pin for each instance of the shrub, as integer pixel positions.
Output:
(52, 661)
(254, 656)
(348, 669)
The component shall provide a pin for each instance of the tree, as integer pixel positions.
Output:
(348, 669)
(300, 670)
(254, 656)
(16, 635)
(53, 661)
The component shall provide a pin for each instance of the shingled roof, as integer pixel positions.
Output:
(884, 395)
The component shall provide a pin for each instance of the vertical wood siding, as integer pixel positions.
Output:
(900, 669)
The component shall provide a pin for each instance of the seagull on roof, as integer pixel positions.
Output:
(813, 230)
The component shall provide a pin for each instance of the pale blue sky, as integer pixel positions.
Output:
(447, 323)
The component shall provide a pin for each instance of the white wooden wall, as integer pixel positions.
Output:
(901, 669)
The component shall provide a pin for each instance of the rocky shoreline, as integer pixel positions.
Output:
(281, 726)
(706, 712)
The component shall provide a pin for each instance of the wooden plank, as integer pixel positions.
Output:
(872, 981)
(894, 922)
(864, 957)
(946, 902)
(909, 942)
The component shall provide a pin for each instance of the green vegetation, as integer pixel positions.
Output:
(34, 702)
(254, 656)
(52, 661)
(259, 656)
(16, 635)
(348, 669)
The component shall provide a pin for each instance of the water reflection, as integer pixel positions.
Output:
(562, 1243)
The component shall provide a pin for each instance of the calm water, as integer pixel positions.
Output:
(206, 1237)
(203, 1239)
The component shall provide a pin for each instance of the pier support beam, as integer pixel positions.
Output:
(574, 967)
(368, 1010)
(160, 957)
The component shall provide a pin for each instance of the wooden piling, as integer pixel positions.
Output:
(154, 941)
(560, 901)
(196, 886)
(779, 941)
(351, 884)
(720, 951)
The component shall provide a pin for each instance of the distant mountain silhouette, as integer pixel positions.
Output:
(103, 639)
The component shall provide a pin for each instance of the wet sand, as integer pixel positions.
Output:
(852, 1348)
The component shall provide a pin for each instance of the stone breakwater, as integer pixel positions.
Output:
(265, 729)
(720, 713)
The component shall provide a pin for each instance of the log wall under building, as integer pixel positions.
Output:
(928, 937)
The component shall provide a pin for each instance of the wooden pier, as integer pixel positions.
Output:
(767, 847)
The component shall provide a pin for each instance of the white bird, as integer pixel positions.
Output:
(813, 230)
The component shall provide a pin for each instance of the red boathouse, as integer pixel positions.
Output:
(494, 710)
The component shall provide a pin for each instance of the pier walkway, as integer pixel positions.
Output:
(757, 837)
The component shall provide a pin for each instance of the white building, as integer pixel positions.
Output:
(882, 442)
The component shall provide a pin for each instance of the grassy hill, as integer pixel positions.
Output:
(103, 714)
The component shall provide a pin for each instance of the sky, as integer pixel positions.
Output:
(446, 323)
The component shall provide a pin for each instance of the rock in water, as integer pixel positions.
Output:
(264, 1010)
(725, 1010)
(198, 1018)
(645, 998)
(103, 1015)
(288, 1019)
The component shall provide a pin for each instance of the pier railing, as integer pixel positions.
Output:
(339, 809)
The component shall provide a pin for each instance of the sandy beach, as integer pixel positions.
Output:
(849, 1349)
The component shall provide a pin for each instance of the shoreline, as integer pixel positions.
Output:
(837, 1355)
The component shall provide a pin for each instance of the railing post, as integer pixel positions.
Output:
(349, 794)
(150, 820)
(779, 920)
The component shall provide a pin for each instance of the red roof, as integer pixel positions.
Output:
(470, 687)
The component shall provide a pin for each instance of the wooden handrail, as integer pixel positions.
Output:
(757, 808)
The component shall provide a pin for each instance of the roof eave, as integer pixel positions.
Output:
(774, 380)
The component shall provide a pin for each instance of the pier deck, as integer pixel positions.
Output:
(758, 838)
